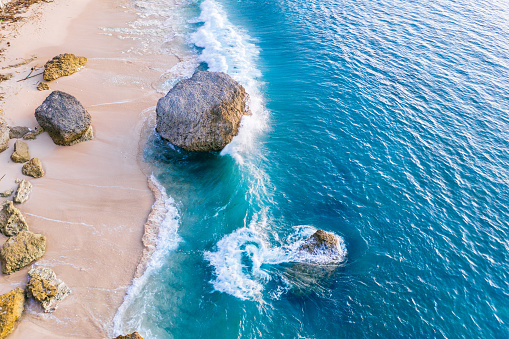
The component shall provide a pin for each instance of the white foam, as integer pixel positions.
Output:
(226, 48)
(247, 282)
(127, 319)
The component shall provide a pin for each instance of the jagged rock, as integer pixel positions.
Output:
(4, 137)
(7, 193)
(32, 135)
(65, 119)
(43, 86)
(20, 153)
(20, 250)
(18, 132)
(23, 192)
(44, 287)
(12, 305)
(33, 168)
(134, 335)
(11, 220)
(63, 65)
(321, 256)
(202, 113)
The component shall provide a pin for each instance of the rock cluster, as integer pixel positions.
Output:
(20, 153)
(202, 113)
(65, 119)
(20, 250)
(12, 305)
(63, 65)
(11, 220)
(44, 287)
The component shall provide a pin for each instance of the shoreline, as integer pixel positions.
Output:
(94, 204)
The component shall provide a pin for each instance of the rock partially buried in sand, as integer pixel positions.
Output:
(11, 220)
(23, 192)
(134, 335)
(44, 287)
(65, 119)
(20, 250)
(4, 137)
(18, 132)
(63, 65)
(33, 168)
(43, 86)
(12, 305)
(20, 154)
(202, 113)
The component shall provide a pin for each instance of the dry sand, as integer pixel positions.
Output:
(94, 200)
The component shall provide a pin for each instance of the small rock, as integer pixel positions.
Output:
(12, 305)
(43, 86)
(32, 135)
(20, 250)
(11, 220)
(321, 243)
(17, 180)
(65, 119)
(63, 65)
(4, 77)
(134, 335)
(33, 168)
(44, 287)
(7, 193)
(23, 192)
(20, 154)
(4, 137)
(18, 132)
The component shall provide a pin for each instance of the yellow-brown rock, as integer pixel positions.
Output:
(22, 249)
(11, 308)
(43, 86)
(134, 335)
(45, 287)
(11, 220)
(63, 65)
(33, 168)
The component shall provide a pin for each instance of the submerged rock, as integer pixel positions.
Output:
(63, 65)
(20, 250)
(202, 113)
(43, 86)
(18, 132)
(65, 119)
(44, 287)
(20, 153)
(23, 192)
(4, 137)
(134, 335)
(11, 220)
(33, 168)
(12, 305)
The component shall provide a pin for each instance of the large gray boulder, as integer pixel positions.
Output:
(202, 113)
(65, 119)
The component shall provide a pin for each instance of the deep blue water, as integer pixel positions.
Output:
(384, 122)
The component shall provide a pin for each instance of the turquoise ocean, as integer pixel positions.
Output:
(383, 122)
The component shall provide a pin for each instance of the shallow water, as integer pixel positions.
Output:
(386, 123)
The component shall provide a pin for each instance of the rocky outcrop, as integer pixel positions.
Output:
(43, 86)
(44, 287)
(134, 335)
(4, 137)
(12, 305)
(65, 119)
(20, 153)
(202, 113)
(23, 192)
(321, 256)
(33, 168)
(20, 250)
(11, 220)
(18, 132)
(63, 65)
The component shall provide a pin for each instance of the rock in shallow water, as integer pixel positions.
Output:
(45, 287)
(65, 119)
(12, 305)
(134, 335)
(63, 65)
(202, 113)
(11, 220)
(20, 250)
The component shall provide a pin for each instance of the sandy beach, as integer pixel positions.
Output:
(94, 200)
